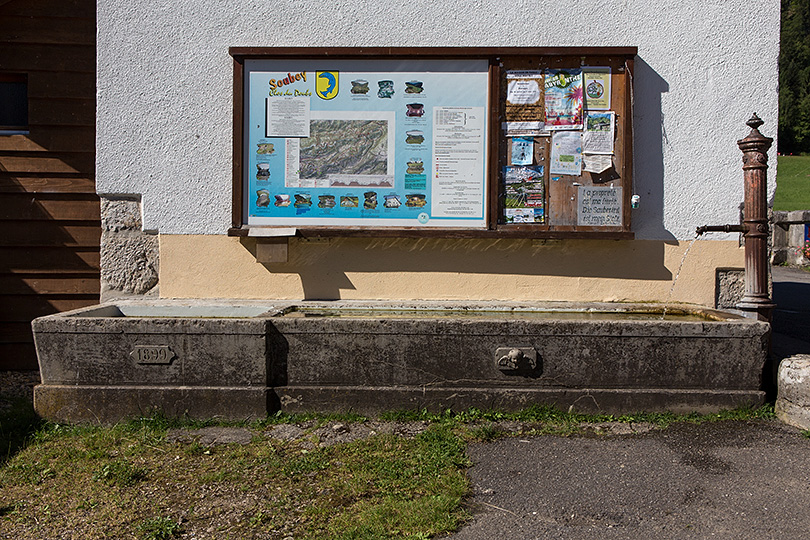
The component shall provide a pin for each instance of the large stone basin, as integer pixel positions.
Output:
(245, 360)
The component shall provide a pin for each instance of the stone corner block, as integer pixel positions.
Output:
(793, 400)
(120, 214)
(129, 264)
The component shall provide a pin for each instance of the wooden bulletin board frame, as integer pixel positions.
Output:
(561, 191)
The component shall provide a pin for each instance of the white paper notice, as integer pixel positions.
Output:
(458, 162)
(287, 117)
(596, 163)
(566, 153)
(291, 156)
(524, 129)
(523, 87)
(599, 206)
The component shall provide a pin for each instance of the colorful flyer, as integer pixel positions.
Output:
(524, 96)
(599, 133)
(524, 194)
(566, 153)
(522, 151)
(524, 215)
(597, 88)
(563, 99)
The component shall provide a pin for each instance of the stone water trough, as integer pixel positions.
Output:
(243, 360)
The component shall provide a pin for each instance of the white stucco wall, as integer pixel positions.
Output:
(165, 88)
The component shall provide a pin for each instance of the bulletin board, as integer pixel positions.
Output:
(433, 142)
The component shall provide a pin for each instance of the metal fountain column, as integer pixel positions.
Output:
(757, 300)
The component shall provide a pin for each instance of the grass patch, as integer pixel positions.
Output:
(792, 183)
(128, 481)
(112, 482)
(119, 473)
(548, 420)
(159, 528)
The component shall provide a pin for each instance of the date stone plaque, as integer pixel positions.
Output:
(152, 354)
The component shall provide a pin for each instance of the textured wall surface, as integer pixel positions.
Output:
(209, 266)
(165, 88)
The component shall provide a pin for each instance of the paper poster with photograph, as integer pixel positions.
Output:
(599, 133)
(524, 194)
(563, 99)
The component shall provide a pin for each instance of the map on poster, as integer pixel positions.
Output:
(357, 147)
(373, 143)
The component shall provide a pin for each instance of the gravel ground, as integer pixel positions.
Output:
(15, 385)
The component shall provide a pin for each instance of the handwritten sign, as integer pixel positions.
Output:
(599, 206)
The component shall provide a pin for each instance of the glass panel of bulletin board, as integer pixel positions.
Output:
(434, 142)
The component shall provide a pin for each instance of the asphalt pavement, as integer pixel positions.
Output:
(791, 318)
(728, 479)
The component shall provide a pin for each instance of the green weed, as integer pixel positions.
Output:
(159, 528)
(486, 432)
(314, 461)
(383, 486)
(120, 473)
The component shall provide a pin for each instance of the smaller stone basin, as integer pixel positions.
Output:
(245, 359)
(114, 361)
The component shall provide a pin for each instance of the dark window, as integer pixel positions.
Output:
(13, 102)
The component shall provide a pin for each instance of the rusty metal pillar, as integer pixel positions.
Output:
(757, 301)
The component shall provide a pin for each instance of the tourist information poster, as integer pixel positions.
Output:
(374, 143)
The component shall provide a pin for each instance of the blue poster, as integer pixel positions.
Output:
(366, 142)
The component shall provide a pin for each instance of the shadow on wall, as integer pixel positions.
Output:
(323, 267)
(649, 137)
(48, 257)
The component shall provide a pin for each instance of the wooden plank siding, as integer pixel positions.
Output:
(49, 212)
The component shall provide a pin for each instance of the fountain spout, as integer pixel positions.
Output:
(740, 228)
